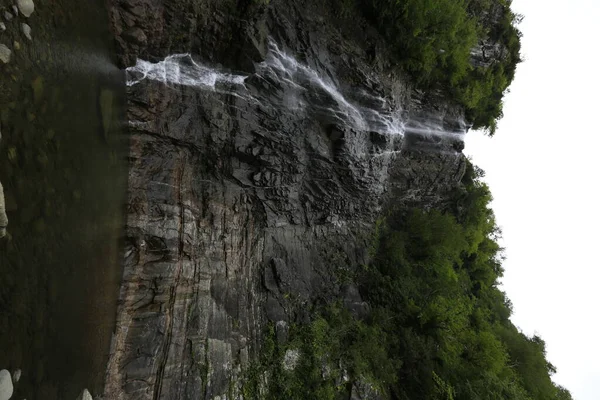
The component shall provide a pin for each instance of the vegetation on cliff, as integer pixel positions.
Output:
(438, 326)
(467, 48)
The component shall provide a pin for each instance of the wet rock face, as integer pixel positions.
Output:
(246, 204)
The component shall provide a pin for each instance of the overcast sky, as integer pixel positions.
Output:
(543, 167)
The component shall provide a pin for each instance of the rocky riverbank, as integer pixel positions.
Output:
(23, 9)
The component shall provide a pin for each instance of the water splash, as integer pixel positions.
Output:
(432, 131)
(432, 126)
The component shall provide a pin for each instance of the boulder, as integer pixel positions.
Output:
(26, 7)
(6, 385)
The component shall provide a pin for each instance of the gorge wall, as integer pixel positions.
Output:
(248, 196)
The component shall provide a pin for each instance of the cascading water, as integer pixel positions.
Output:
(181, 69)
(297, 88)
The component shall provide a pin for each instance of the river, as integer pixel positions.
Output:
(62, 164)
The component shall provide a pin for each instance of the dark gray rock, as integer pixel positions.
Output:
(248, 203)
(135, 35)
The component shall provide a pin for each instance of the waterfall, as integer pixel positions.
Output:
(181, 69)
(282, 81)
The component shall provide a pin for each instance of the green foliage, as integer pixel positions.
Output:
(435, 278)
(443, 390)
(438, 327)
(333, 345)
(433, 40)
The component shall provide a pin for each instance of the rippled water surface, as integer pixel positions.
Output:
(61, 164)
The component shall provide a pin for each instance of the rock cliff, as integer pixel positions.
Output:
(247, 204)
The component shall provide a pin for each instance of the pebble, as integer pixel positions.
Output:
(2, 27)
(26, 31)
(4, 54)
(17, 45)
(6, 385)
(26, 7)
(8, 16)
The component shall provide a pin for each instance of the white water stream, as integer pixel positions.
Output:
(281, 81)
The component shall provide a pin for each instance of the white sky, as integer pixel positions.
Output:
(543, 168)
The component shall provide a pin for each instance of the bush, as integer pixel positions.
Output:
(433, 41)
(438, 329)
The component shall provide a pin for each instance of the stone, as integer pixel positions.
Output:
(6, 385)
(281, 332)
(17, 45)
(26, 31)
(8, 16)
(2, 26)
(136, 35)
(290, 359)
(16, 375)
(85, 395)
(5, 54)
(26, 7)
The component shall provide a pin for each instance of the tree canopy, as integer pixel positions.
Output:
(438, 326)
(467, 48)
